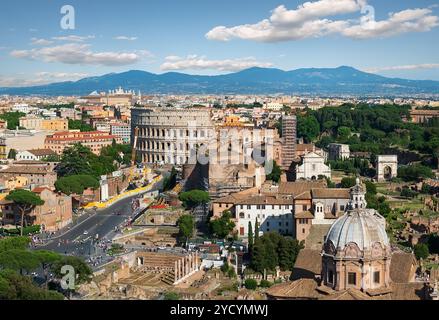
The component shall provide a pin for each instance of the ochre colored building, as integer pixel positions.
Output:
(95, 140)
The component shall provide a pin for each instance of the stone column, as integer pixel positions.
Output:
(187, 265)
(183, 267)
(175, 271)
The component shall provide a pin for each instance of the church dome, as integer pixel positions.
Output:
(363, 227)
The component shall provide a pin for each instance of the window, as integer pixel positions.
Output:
(352, 278)
(242, 215)
(303, 230)
(304, 207)
(376, 277)
(341, 208)
(268, 224)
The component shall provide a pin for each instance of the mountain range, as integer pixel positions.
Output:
(313, 81)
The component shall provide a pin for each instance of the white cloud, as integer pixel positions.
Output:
(39, 78)
(40, 42)
(33, 30)
(74, 53)
(405, 67)
(73, 38)
(195, 62)
(312, 19)
(125, 38)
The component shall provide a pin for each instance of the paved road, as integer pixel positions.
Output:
(80, 240)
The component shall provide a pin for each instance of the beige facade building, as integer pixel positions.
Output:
(33, 172)
(55, 213)
(35, 123)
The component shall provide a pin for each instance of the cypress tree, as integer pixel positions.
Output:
(250, 238)
(256, 230)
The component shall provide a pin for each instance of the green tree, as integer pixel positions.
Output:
(250, 284)
(250, 238)
(343, 133)
(265, 284)
(79, 125)
(186, 226)
(25, 202)
(170, 182)
(14, 286)
(348, 182)
(13, 119)
(47, 259)
(75, 161)
(172, 296)
(194, 198)
(12, 154)
(408, 193)
(18, 260)
(421, 251)
(275, 173)
(83, 272)
(222, 226)
(21, 243)
(308, 128)
(414, 172)
(259, 256)
(256, 229)
(51, 158)
(76, 184)
(272, 250)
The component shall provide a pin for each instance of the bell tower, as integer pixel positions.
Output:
(357, 197)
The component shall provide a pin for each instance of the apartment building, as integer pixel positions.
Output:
(95, 140)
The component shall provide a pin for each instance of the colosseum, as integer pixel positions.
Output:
(171, 136)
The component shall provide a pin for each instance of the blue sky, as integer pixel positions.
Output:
(213, 37)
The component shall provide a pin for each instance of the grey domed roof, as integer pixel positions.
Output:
(364, 227)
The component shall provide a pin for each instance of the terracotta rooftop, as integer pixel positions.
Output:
(300, 289)
(234, 197)
(304, 215)
(401, 267)
(28, 170)
(40, 189)
(42, 152)
(298, 187)
(330, 193)
(264, 199)
(308, 264)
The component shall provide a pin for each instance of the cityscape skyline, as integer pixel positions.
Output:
(277, 34)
